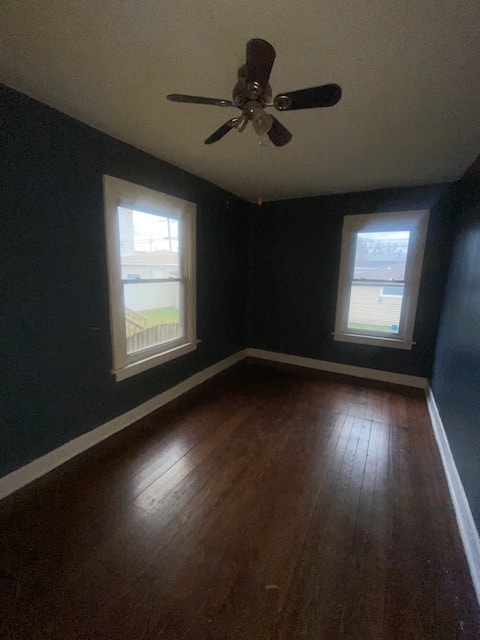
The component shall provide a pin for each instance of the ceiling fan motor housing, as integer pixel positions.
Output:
(243, 93)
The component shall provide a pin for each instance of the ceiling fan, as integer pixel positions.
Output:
(252, 94)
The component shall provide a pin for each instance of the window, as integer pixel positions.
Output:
(392, 292)
(151, 267)
(380, 269)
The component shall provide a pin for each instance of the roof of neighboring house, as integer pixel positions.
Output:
(151, 257)
(391, 271)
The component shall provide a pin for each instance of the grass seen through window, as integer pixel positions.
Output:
(166, 315)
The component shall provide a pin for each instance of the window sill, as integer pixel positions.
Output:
(392, 343)
(148, 363)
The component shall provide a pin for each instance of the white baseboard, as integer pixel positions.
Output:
(345, 369)
(466, 525)
(19, 478)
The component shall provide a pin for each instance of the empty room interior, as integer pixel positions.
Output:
(240, 312)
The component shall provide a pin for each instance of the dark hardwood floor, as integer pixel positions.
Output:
(262, 505)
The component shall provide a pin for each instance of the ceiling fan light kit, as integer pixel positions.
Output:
(252, 94)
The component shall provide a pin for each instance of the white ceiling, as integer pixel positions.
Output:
(409, 69)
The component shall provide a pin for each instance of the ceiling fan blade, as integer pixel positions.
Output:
(180, 97)
(279, 134)
(326, 95)
(260, 58)
(219, 133)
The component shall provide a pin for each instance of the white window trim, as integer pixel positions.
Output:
(122, 193)
(417, 223)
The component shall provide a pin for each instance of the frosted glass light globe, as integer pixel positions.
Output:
(262, 122)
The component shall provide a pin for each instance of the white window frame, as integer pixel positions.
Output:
(120, 193)
(417, 223)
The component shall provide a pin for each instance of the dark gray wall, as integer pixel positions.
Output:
(55, 343)
(294, 263)
(55, 348)
(456, 374)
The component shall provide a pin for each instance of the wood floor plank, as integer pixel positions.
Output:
(265, 505)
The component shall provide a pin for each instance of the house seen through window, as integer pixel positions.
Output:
(380, 259)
